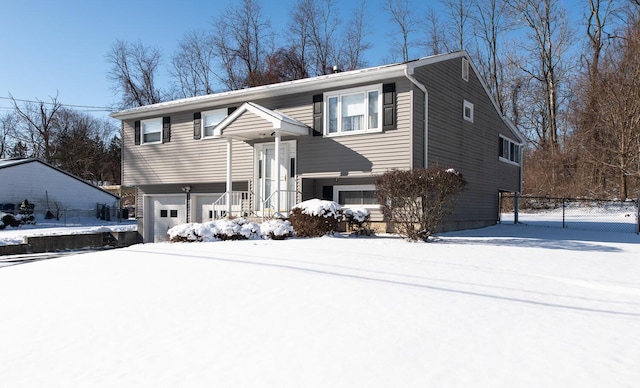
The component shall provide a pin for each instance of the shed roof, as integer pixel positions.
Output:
(6, 163)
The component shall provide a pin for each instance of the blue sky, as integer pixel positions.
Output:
(59, 47)
(51, 47)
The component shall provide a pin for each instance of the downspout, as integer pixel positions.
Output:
(408, 72)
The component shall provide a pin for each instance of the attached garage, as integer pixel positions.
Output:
(161, 213)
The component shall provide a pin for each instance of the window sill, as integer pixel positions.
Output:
(352, 133)
(508, 161)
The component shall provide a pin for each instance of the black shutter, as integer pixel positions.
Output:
(197, 125)
(389, 107)
(317, 114)
(136, 126)
(166, 129)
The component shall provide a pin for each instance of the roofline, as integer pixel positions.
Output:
(29, 160)
(425, 61)
(304, 85)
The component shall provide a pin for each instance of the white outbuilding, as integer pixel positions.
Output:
(48, 188)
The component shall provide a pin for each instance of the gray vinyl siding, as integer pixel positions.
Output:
(418, 128)
(471, 148)
(183, 159)
(361, 155)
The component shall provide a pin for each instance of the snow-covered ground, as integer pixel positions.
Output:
(505, 306)
(76, 225)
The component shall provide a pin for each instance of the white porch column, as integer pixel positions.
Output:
(229, 176)
(278, 172)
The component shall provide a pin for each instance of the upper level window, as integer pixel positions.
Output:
(210, 119)
(509, 150)
(151, 130)
(468, 111)
(354, 111)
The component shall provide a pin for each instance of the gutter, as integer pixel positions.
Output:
(408, 72)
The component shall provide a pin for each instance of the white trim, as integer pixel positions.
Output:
(280, 123)
(409, 74)
(338, 188)
(508, 160)
(467, 105)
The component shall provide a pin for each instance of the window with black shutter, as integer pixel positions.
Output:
(389, 106)
(317, 115)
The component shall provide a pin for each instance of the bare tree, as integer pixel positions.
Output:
(322, 35)
(550, 39)
(192, 65)
(403, 17)
(435, 42)
(84, 143)
(458, 13)
(611, 123)
(355, 43)
(133, 71)
(8, 124)
(299, 32)
(242, 42)
(38, 127)
(490, 24)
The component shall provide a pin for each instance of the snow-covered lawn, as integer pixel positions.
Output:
(505, 306)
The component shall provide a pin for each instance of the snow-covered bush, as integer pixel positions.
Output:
(25, 213)
(276, 229)
(8, 220)
(234, 229)
(416, 201)
(358, 221)
(315, 218)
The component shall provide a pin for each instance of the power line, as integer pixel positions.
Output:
(94, 108)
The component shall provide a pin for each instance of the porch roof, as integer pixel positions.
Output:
(280, 123)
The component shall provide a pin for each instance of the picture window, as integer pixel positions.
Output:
(354, 111)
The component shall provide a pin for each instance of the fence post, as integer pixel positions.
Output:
(516, 207)
(638, 216)
(563, 213)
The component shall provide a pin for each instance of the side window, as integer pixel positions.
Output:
(467, 111)
(509, 151)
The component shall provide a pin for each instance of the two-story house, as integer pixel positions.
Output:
(258, 151)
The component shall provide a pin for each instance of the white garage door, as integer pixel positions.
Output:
(162, 213)
(202, 206)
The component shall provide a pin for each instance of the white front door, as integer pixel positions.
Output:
(267, 177)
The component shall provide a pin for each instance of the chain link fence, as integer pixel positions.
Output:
(70, 217)
(571, 213)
